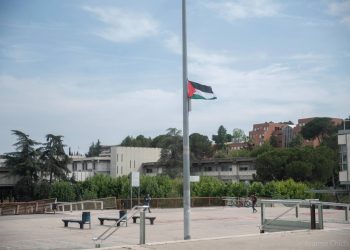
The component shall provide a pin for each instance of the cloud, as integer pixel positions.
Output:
(341, 10)
(195, 53)
(123, 25)
(241, 9)
(82, 115)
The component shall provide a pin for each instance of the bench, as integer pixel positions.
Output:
(85, 219)
(102, 219)
(151, 219)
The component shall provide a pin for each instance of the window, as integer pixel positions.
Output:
(208, 169)
(84, 165)
(94, 165)
(149, 170)
(244, 168)
(74, 166)
(117, 157)
(121, 158)
(343, 157)
(226, 168)
(130, 164)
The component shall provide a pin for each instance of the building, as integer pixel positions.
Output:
(7, 181)
(262, 132)
(283, 133)
(114, 161)
(228, 170)
(344, 159)
(302, 122)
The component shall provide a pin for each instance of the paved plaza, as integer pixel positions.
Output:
(211, 228)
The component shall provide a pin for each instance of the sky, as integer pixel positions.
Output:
(106, 69)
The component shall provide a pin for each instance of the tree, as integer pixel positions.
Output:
(273, 141)
(319, 127)
(53, 158)
(171, 154)
(139, 141)
(238, 135)
(200, 146)
(24, 163)
(94, 149)
(221, 137)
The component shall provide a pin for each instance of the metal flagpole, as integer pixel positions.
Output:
(186, 148)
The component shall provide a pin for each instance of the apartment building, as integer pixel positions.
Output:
(228, 170)
(344, 159)
(262, 132)
(283, 132)
(114, 161)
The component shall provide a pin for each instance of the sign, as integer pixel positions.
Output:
(135, 179)
(194, 178)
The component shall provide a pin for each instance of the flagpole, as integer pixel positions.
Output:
(186, 148)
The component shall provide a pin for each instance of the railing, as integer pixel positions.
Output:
(174, 202)
(289, 224)
(111, 230)
(79, 205)
(345, 206)
(31, 207)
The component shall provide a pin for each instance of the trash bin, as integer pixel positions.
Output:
(122, 213)
(85, 217)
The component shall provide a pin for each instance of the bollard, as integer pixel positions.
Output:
(297, 211)
(347, 213)
(313, 216)
(262, 205)
(142, 228)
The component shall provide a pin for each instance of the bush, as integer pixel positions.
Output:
(63, 191)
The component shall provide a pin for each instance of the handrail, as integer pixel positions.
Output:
(269, 222)
(115, 227)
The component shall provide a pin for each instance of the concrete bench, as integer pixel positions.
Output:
(102, 219)
(85, 219)
(151, 219)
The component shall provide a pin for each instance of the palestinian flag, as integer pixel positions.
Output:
(199, 91)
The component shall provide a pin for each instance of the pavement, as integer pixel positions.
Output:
(210, 228)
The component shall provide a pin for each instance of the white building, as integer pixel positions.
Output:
(228, 170)
(344, 150)
(116, 161)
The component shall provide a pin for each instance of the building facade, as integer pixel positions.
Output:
(114, 161)
(344, 153)
(262, 132)
(228, 170)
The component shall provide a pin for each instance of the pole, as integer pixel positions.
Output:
(186, 149)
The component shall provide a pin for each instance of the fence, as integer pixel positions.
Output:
(176, 202)
(31, 207)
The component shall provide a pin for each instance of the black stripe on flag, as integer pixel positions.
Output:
(201, 87)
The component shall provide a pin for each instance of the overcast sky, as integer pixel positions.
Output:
(104, 70)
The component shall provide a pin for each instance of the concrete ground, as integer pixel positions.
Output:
(211, 228)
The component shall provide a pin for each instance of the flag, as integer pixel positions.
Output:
(199, 91)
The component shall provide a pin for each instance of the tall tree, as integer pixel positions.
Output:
(238, 135)
(171, 153)
(200, 146)
(319, 127)
(139, 141)
(95, 149)
(24, 163)
(221, 138)
(53, 158)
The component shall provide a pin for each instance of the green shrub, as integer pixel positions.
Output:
(63, 191)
